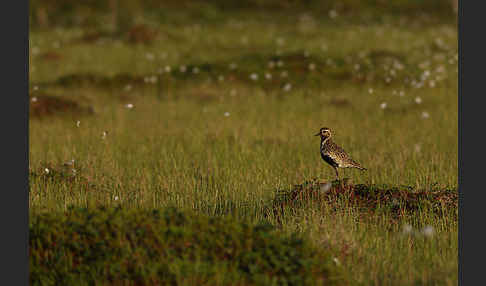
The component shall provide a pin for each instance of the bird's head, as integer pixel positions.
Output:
(324, 132)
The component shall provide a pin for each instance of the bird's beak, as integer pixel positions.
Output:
(318, 133)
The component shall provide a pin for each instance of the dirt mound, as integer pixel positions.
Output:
(44, 105)
(395, 199)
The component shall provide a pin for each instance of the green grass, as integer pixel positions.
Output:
(177, 148)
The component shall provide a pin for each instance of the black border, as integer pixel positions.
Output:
(14, 28)
(471, 128)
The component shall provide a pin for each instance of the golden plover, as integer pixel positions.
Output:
(333, 154)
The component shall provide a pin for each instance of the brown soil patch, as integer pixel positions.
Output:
(370, 198)
(44, 105)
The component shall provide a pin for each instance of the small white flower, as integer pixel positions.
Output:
(103, 136)
(149, 56)
(425, 115)
(325, 187)
(254, 76)
(336, 261)
(34, 99)
(74, 171)
(46, 170)
(383, 105)
(312, 66)
(129, 106)
(167, 69)
(407, 229)
(418, 100)
(78, 123)
(268, 75)
(428, 231)
(226, 114)
(287, 87)
(116, 198)
(432, 83)
(370, 91)
(333, 14)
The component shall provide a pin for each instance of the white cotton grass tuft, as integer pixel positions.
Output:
(407, 229)
(418, 100)
(129, 106)
(287, 87)
(226, 114)
(383, 105)
(324, 188)
(336, 261)
(428, 231)
(425, 115)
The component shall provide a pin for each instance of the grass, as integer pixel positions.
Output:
(218, 143)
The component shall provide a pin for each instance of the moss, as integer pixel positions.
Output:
(115, 245)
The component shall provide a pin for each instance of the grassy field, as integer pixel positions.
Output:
(215, 114)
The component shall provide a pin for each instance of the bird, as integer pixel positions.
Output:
(334, 155)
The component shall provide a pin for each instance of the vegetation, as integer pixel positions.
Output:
(211, 110)
(115, 246)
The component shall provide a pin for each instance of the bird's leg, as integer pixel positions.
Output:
(337, 176)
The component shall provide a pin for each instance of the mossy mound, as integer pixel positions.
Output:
(398, 200)
(159, 247)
